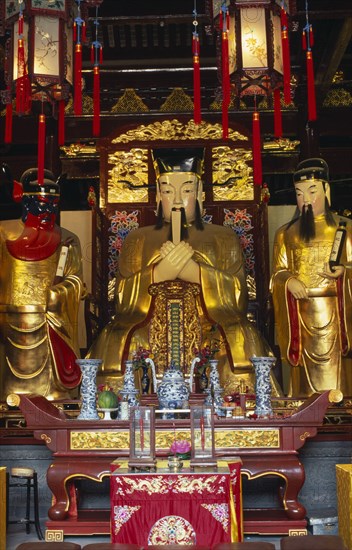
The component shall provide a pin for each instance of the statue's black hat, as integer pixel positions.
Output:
(29, 180)
(178, 160)
(311, 169)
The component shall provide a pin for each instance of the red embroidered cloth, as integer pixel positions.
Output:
(176, 508)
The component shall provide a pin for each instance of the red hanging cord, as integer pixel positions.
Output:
(307, 45)
(41, 148)
(196, 81)
(257, 157)
(96, 101)
(312, 110)
(77, 98)
(277, 114)
(286, 57)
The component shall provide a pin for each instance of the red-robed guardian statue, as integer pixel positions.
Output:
(40, 291)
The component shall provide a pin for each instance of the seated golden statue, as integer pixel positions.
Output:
(182, 250)
(312, 301)
(40, 291)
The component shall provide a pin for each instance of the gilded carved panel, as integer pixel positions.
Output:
(129, 168)
(224, 439)
(230, 167)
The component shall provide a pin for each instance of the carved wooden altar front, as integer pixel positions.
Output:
(85, 449)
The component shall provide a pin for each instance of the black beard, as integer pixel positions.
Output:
(307, 224)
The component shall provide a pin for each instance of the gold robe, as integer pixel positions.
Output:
(222, 301)
(38, 320)
(314, 334)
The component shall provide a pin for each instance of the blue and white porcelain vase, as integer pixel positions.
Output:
(173, 392)
(129, 391)
(262, 367)
(216, 389)
(89, 369)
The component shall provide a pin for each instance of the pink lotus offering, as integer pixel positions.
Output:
(180, 447)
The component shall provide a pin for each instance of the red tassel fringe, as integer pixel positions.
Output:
(257, 157)
(41, 148)
(96, 102)
(77, 100)
(225, 69)
(61, 123)
(8, 123)
(22, 83)
(277, 114)
(312, 110)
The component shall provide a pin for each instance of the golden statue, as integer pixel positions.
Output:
(180, 248)
(40, 291)
(312, 300)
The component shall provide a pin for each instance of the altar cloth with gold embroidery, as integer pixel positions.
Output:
(186, 507)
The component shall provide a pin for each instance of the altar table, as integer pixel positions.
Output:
(185, 507)
(86, 449)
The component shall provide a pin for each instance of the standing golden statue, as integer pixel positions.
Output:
(180, 247)
(40, 291)
(313, 301)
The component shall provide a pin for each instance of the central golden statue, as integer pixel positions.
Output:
(180, 247)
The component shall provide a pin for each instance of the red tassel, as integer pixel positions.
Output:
(8, 123)
(312, 111)
(96, 102)
(277, 114)
(225, 69)
(311, 36)
(75, 31)
(20, 83)
(225, 84)
(61, 123)
(100, 55)
(41, 148)
(77, 100)
(20, 25)
(84, 32)
(196, 82)
(257, 157)
(304, 41)
(286, 66)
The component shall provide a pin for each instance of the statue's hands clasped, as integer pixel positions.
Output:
(176, 262)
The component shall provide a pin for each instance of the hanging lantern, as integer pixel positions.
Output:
(38, 65)
(49, 59)
(257, 60)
